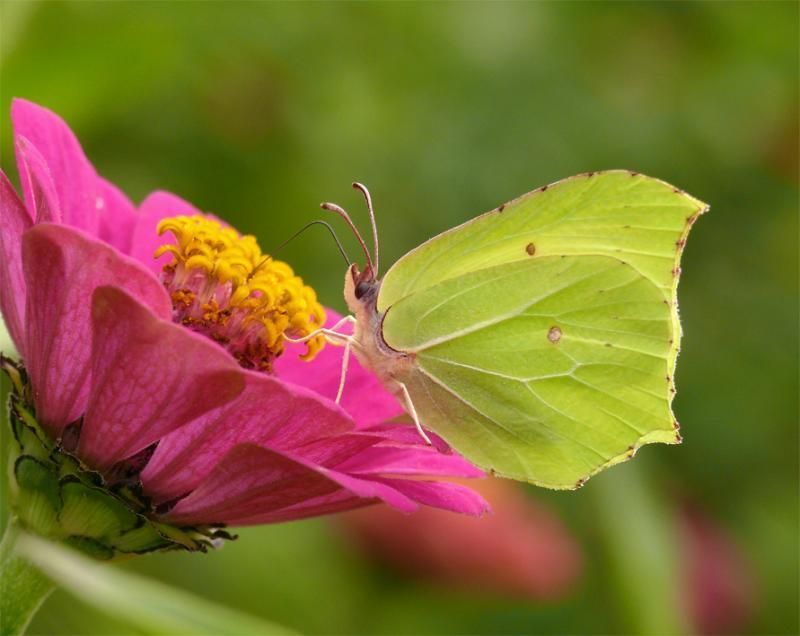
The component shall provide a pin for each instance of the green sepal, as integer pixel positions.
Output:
(55, 495)
(90, 547)
(36, 483)
(90, 512)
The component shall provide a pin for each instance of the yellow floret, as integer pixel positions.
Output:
(267, 291)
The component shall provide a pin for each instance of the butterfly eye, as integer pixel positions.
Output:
(362, 288)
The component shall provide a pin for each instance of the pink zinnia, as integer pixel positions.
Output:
(132, 373)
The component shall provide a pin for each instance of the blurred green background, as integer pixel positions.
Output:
(258, 111)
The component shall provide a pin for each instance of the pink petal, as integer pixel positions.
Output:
(332, 451)
(145, 240)
(62, 268)
(383, 460)
(37, 183)
(247, 474)
(117, 216)
(268, 413)
(337, 501)
(441, 494)
(252, 481)
(15, 220)
(364, 397)
(74, 178)
(403, 431)
(150, 377)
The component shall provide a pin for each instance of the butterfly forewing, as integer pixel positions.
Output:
(617, 213)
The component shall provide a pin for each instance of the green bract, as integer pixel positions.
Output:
(54, 495)
(544, 334)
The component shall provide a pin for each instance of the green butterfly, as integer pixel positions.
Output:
(539, 339)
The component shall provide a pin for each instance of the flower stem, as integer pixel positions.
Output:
(23, 588)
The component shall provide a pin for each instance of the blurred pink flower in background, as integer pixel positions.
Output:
(522, 550)
(719, 586)
(138, 397)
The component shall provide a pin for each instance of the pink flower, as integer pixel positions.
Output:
(142, 399)
(522, 551)
(719, 586)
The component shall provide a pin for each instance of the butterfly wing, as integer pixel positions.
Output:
(545, 333)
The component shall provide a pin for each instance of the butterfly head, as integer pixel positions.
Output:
(360, 287)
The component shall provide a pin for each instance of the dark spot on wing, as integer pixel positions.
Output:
(554, 335)
(530, 248)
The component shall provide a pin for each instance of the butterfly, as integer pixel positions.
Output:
(539, 340)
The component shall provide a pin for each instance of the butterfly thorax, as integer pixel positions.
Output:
(361, 295)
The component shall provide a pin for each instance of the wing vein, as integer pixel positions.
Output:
(512, 432)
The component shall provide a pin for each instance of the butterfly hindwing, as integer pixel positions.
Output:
(542, 370)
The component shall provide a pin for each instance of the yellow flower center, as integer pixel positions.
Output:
(221, 285)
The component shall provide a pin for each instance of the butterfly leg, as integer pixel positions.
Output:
(345, 365)
(332, 336)
(330, 333)
(413, 413)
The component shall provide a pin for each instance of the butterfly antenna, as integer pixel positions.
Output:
(363, 189)
(332, 207)
(303, 229)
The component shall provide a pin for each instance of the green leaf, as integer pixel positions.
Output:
(23, 588)
(150, 606)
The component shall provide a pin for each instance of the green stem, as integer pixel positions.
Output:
(637, 527)
(23, 588)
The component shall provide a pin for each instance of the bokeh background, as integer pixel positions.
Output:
(258, 111)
